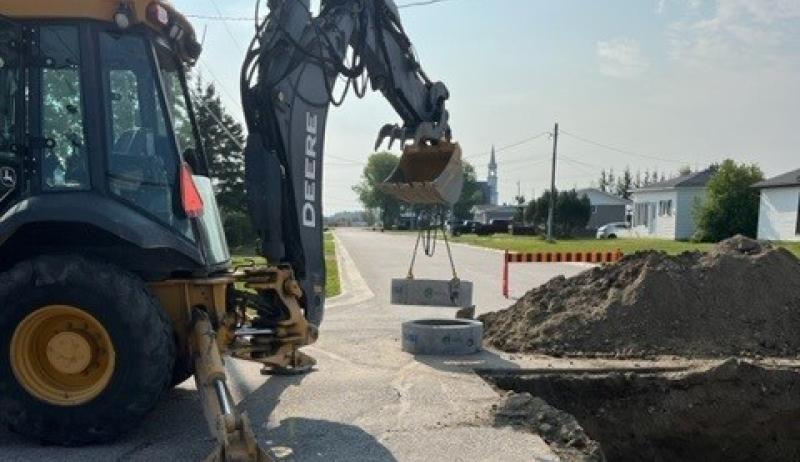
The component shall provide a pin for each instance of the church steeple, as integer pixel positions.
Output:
(492, 179)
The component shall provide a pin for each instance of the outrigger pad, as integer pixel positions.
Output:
(427, 175)
(430, 292)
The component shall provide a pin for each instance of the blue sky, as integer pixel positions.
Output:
(669, 82)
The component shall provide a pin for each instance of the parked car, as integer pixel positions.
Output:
(614, 230)
(462, 227)
(494, 226)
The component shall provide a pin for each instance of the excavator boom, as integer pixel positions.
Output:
(288, 85)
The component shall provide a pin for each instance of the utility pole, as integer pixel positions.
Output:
(552, 207)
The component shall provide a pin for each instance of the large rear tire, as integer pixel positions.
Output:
(85, 350)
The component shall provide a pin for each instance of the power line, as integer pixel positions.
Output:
(580, 162)
(509, 146)
(344, 159)
(621, 151)
(420, 3)
(227, 28)
(218, 82)
(214, 116)
(220, 17)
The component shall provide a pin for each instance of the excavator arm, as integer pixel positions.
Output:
(288, 81)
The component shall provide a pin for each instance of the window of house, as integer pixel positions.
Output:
(641, 214)
(665, 208)
(797, 226)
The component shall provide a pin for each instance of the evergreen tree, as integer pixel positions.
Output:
(625, 184)
(222, 141)
(603, 186)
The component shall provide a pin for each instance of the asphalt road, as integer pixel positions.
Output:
(366, 400)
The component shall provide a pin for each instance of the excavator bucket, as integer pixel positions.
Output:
(427, 175)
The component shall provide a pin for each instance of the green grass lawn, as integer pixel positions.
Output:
(333, 284)
(535, 244)
(794, 247)
(333, 287)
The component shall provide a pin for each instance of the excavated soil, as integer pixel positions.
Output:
(735, 411)
(740, 299)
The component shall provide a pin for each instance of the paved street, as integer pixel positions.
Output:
(367, 401)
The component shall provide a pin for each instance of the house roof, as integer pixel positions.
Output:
(494, 208)
(693, 180)
(609, 196)
(787, 179)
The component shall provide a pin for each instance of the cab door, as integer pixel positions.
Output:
(12, 112)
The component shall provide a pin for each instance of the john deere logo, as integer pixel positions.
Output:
(8, 177)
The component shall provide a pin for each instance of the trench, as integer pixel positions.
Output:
(735, 411)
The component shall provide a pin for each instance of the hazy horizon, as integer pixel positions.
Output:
(664, 83)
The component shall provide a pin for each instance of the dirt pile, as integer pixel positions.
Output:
(735, 411)
(560, 430)
(741, 298)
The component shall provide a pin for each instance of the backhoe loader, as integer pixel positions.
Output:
(115, 277)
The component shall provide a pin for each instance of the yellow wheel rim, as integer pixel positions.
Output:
(62, 355)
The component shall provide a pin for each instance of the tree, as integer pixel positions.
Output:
(222, 138)
(471, 194)
(731, 203)
(379, 167)
(603, 181)
(571, 214)
(222, 141)
(625, 184)
(519, 217)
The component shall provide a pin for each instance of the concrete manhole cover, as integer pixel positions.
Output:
(442, 337)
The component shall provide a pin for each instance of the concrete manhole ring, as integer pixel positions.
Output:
(450, 337)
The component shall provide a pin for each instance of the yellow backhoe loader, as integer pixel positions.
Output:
(115, 278)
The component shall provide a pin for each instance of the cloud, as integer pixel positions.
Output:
(734, 32)
(621, 58)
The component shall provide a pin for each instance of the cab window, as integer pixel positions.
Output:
(65, 163)
(9, 88)
(177, 100)
(142, 159)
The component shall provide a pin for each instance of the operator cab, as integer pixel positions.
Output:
(99, 148)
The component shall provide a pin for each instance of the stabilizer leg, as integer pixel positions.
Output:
(235, 437)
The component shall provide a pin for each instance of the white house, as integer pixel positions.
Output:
(665, 209)
(606, 207)
(779, 212)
